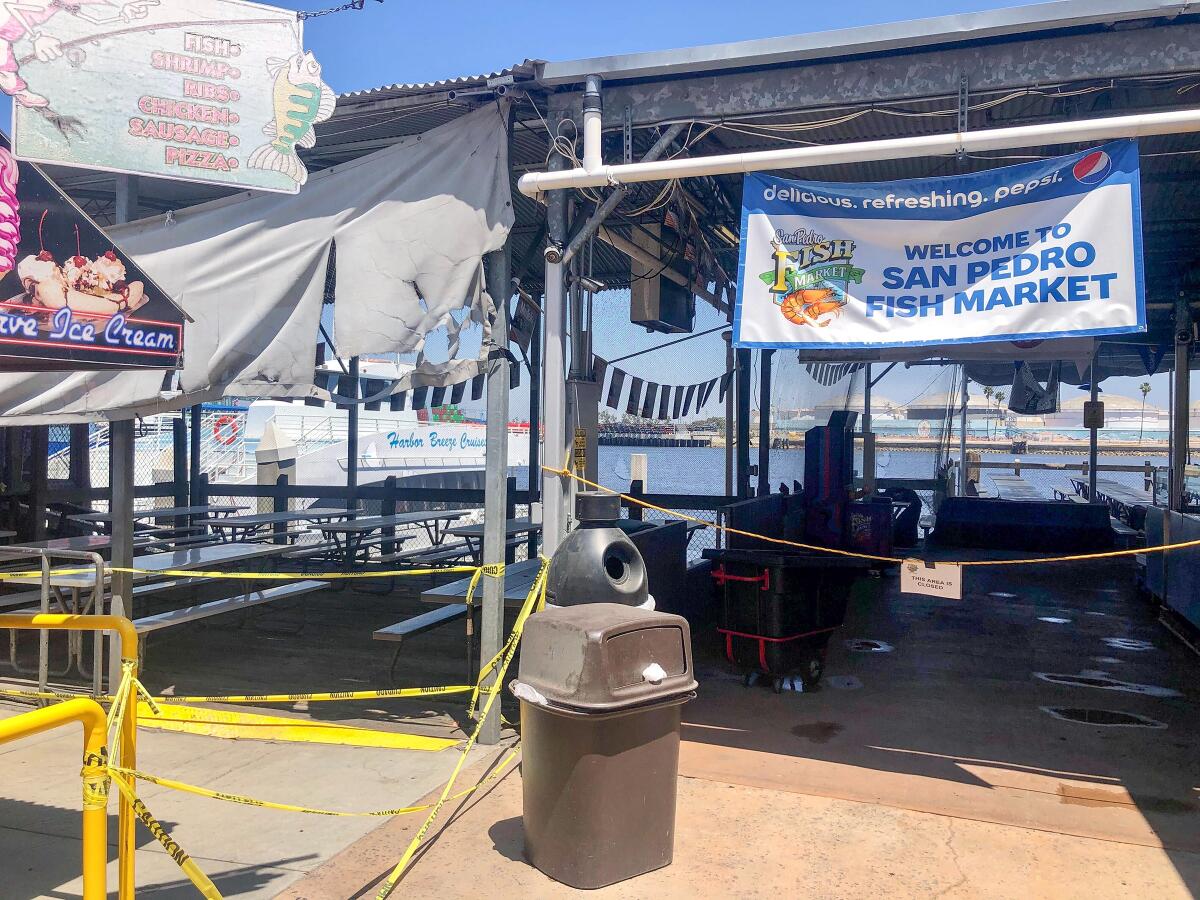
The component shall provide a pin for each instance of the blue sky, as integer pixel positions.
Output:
(403, 41)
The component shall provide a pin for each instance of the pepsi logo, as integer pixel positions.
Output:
(1093, 168)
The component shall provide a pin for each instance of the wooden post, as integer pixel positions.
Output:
(636, 489)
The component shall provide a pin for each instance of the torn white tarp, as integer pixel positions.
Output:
(411, 223)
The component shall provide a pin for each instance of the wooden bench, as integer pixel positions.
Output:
(161, 620)
(417, 625)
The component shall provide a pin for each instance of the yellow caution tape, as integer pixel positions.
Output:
(1077, 557)
(380, 694)
(197, 877)
(95, 779)
(236, 724)
(228, 797)
(256, 576)
(535, 599)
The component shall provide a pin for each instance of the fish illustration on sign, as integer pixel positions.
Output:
(301, 99)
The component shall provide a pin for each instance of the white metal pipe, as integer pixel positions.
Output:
(593, 159)
(1142, 125)
(554, 379)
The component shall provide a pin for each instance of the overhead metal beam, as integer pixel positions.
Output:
(901, 75)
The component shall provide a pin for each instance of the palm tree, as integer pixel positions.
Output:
(1000, 395)
(988, 391)
(1144, 387)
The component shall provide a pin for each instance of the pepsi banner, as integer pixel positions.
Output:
(1040, 250)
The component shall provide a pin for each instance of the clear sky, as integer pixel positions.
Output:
(405, 41)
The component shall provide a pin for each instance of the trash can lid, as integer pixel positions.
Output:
(605, 656)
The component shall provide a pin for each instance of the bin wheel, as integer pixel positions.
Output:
(814, 668)
(777, 685)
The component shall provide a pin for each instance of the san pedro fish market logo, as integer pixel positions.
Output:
(1093, 168)
(810, 277)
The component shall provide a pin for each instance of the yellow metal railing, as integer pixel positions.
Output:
(128, 724)
(95, 777)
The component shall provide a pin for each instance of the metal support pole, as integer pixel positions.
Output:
(1093, 433)
(495, 498)
(962, 431)
(742, 385)
(534, 477)
(121, 604)
(81, 456)
(554, 378)
(194, 414)
(352, 437)
(39, 451)
(729, 435)
(1182, 399)
(764, 422)
(868, 436)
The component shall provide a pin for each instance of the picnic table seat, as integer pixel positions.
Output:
(417, 625)
(258, 597)
(422, 555)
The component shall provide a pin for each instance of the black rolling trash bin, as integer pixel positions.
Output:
(779, 609)
(601, 686)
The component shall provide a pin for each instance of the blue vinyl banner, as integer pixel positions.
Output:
(1040, 250)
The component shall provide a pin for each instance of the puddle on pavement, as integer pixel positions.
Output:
(1119, 643)
(1054, 620)
(863, 645)
(1109, 718)
(1105, 682)
(818, 732)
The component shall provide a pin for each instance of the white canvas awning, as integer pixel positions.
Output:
(411, 224)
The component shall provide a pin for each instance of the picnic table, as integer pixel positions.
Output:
(1126, 503)
(236, 528)
(451, 600)
(473, 534)
(353, 536)
(84, 543)
(68, 584)
(1015, 487)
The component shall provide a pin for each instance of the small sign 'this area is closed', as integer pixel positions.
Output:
(934, 579)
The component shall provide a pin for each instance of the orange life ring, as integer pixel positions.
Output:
(219, 424)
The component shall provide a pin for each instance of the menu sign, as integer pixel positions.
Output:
(214, 91)
(69, 298)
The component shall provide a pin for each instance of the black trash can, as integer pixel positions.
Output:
(601, 686)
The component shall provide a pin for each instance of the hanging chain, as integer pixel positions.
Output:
(345, 7)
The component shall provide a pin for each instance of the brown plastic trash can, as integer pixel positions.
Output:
(601, 686)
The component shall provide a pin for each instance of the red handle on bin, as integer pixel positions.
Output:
(720, 576)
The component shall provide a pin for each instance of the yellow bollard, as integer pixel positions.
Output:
(95, 778)
(126, 845)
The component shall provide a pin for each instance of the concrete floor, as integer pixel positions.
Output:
(248, 852)
(929, 770)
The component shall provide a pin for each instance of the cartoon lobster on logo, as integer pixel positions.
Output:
(812, 306)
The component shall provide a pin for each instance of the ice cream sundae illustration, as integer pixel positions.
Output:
(88, 287)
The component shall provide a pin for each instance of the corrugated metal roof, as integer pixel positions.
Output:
(524, 69)
(991, 24)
